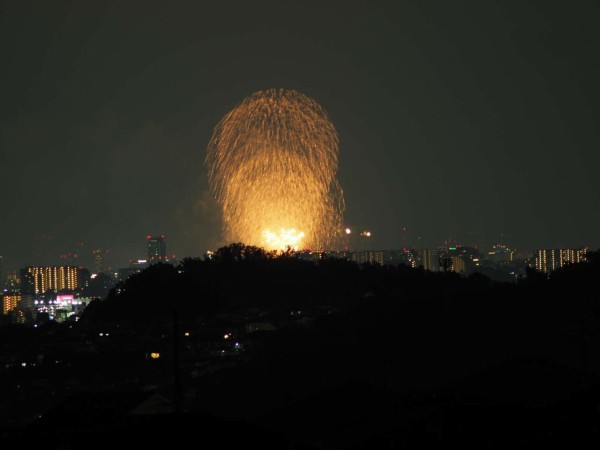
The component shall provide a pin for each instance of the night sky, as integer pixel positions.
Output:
(471, 120)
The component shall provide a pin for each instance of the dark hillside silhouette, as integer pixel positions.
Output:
(332, 354)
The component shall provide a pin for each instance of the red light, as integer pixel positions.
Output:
(148, 237)
(162, 236)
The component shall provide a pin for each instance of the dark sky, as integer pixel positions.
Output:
(472, 120)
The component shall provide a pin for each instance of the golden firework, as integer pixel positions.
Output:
(272, 164)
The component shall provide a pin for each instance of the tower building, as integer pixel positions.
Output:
(157, 248)
(37, 280)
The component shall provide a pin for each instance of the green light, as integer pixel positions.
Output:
(451, 248)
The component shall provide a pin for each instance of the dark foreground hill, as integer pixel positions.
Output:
(333, 355)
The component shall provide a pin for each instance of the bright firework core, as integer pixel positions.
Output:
(284, 239)
(272, 165)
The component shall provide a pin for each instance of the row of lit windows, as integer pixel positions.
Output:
(10, 302)
(54, 278)
(549, 260)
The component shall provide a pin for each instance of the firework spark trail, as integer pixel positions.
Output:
(272, 164)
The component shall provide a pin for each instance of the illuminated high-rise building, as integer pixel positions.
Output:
(457, 264)
(500, 253)
(38, 280)
(157, 248)
(429, 259)
(10, 302)
(84, 278)
(459, 259)
(101, 260)
(12, 284)
(367, 256)
(548, 260)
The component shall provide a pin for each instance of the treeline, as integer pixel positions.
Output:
(239, 277)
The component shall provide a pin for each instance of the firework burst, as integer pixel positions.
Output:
(272, 164)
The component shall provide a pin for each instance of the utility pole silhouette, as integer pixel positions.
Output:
(177, 387)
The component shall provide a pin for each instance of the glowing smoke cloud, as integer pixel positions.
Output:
(272, 164)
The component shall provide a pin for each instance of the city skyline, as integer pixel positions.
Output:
(356, 246)
(151, 249)
(475, 121)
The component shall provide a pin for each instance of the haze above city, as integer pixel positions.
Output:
(475, 121)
